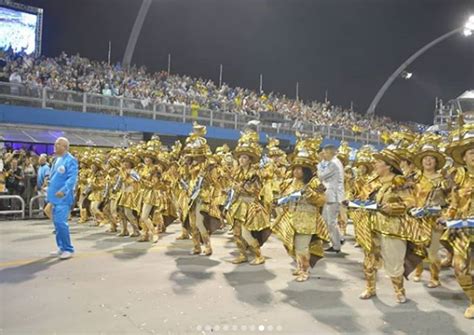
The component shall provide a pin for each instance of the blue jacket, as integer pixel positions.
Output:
(63, 178)
(43, 172)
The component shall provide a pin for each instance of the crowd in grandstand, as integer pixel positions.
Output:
(77, 73)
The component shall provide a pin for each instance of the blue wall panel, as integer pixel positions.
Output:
(61, 119)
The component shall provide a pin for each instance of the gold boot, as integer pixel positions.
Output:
(464, 279)
(135, 233)
(124, 233)
(259, 259)
(242, 258)
(207, 242)
(82, 215)
(112, 229)
(397, 283)
(297, 271)
(304, 274)
(113, 225)
(143, 237)
(370, 290)
(242, 247)
(196, 237)
(136, 229)
(184, 235)
(448, 260)
(469, 313)
(418, 273)
(434, 269)
(156, 236)
(370, 272)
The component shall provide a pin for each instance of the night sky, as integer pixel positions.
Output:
(348, 47)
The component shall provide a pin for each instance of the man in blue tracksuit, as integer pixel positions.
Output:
(62, 181)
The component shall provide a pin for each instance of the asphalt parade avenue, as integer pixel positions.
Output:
(116, 285)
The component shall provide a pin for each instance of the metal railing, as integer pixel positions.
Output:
(13, 211)
(31, 211)
(17, 94)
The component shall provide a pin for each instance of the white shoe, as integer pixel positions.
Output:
(66, 255)
(56, 253)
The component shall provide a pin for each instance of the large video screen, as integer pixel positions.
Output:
(18, 30)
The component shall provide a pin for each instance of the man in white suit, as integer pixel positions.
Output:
(331, 174)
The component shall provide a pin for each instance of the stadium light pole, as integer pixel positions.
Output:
(220, 76)
(169, 64)
(467, 29)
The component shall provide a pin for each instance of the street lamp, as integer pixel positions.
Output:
(467, 29)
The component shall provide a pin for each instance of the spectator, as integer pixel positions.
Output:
(81, 74)
(15, 79)
(30, 179)
(15, 182)
(43, 174)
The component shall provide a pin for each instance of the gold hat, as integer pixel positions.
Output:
(306, 151)
(129, 157)
(97, 161)
(305, 159)
(405, 144)
(364, 156)
(176, 149)
(114, 161)
(344, 152)
(273, 147)
(198, 130)
(86, 160)
(429, 147)
(197, 147)
(462, 139)
(248, 145)
(389, 156)
(164, 159)
(196, 144)
(222, 150)
(149, 152)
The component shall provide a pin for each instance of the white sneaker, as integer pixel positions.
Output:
(66, 255)
(56, 253)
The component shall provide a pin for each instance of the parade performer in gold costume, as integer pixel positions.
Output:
(245, 212)
(129, 192)
(430, 195)
(459, 236)
(97, 183)
(299, 224)
(398, 237)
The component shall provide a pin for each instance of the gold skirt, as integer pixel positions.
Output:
(129, 200)
(153, 197)
(460, 240)
(284, 229)
(251, 213)
(95, 196)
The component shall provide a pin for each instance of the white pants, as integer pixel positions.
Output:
(393, 252)
(302, 242)
(248, 237)
(330, 214)
(435, 245)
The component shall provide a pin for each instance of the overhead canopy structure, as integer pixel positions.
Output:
(76, 137)
(466, 102)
